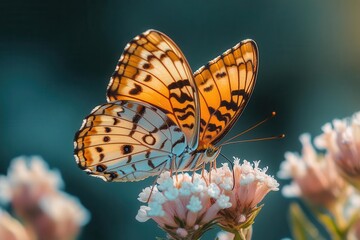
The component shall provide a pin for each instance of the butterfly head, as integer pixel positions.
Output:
(211, 153)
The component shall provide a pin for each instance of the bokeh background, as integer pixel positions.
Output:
(56, 58)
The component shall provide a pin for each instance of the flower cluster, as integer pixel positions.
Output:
(186, 206)
(329, 181)
(314, 176)
(34, 193)
(342, 141)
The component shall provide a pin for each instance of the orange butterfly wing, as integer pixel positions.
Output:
(153, 69)
(225, 85)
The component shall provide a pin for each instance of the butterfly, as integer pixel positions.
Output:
(161, 116)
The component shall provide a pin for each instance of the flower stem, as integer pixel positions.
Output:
(243, 234)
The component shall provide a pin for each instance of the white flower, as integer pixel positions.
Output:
(194, 204)
(342, 141)
(314, 176)
(10, 228)
(142, 214)
(186, 206)
(30, 174)
(187, 202)
(213, 190)
(223, 201)
(34, 194)
(240, 199)
(64, 208)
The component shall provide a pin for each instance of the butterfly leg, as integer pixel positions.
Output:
(203, 172)
(173, 167)
(193, 175)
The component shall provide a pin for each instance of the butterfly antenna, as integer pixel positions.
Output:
(273, 114)
(256, 139)
(232, 167)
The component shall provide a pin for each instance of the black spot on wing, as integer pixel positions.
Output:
(126, 149)
(133, 166)
(209, 88)
(101, 157)
(185, 116)
(183, 110)
(146, 66)
(101, 168)
(220, 75)
(190, 126)
(208, 137)
(213, 127)
(139, 114)
(163, 144)
(129, 158)
(181, 140)
(151, 164)
(136, 90)
(113, 175)
(150, 57)
(167, 124)
(179, 84)
(182, 98)
(240, 92)
(219, 116)
(147, 78)
(204, 81)
(229, 105)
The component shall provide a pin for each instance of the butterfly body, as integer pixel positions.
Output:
(160, 116)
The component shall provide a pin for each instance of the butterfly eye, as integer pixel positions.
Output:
(210, 152)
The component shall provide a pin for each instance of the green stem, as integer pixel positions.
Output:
(242, 234)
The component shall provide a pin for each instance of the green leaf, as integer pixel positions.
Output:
(301, 227)
(337, 231)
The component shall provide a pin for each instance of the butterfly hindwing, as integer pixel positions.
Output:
(225, 85)
(153, 70)
(127, 141)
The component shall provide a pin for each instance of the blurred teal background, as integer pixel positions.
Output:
(56, 58)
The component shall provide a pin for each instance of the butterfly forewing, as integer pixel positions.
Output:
(225, 85)
(153, 69)
(127, 141)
